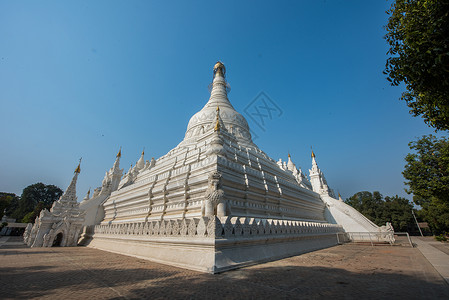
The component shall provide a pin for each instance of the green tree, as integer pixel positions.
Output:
(34, 198)
(418, 36)
(398, 211)
(6, 200)
(369, 204)
(31, 216)
(427, 175)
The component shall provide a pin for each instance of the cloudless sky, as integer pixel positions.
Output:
(82, 78)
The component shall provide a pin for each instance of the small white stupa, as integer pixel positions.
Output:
(61, 226)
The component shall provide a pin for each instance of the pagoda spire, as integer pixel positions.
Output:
(112, 177)
(116, 166)
(205, 119)
(317, 179)
(315, 175)
(70, 194)
(87, 195)
(78, 169)
(141, 162)
(290, 165)
(219, 92)
(315, 168)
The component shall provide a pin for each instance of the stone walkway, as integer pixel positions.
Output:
(436, 253)
(341, 272)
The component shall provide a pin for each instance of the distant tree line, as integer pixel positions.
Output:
(396, 210)
(34, 198)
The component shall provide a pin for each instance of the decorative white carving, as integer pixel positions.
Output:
(213, 227)
(214, 203)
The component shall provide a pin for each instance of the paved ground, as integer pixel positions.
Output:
(341, 272)
(436, 253)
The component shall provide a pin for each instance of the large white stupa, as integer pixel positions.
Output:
(216, 201)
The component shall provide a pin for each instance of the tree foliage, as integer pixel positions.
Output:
(399, 211)
(34, 198)
(427, 175)
(418, 36)
(31, 216)
(396, 210)
(6, 201)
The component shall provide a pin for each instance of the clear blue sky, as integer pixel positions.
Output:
(82, 78)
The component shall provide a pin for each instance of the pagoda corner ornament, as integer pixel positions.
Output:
(213, 203)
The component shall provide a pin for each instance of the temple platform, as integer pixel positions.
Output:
(213, 245)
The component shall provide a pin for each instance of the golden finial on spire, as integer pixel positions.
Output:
(119, 154)
(78, 169)
(289, 156)
(219, 67)
(143, 151)
(313, 154)
(217, 123)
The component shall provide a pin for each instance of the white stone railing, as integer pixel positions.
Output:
(230, 227)
(372, 237)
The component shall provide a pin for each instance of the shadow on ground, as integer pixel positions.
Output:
(273, 282)
(84, 273)
(297, 283)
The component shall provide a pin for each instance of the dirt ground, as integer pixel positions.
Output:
(341, 272)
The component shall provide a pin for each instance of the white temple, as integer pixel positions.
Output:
(216, 201)
(62, 225)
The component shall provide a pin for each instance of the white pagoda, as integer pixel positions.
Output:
(62, 225)
(216, 201)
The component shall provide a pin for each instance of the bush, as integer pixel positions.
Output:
(441, 237)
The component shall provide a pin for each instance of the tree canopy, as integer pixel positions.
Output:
(7, 200)
(396, 210)
(34, 198)
(427, 175)
(418, 36)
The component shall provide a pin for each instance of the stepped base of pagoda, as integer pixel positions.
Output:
(213, 245)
